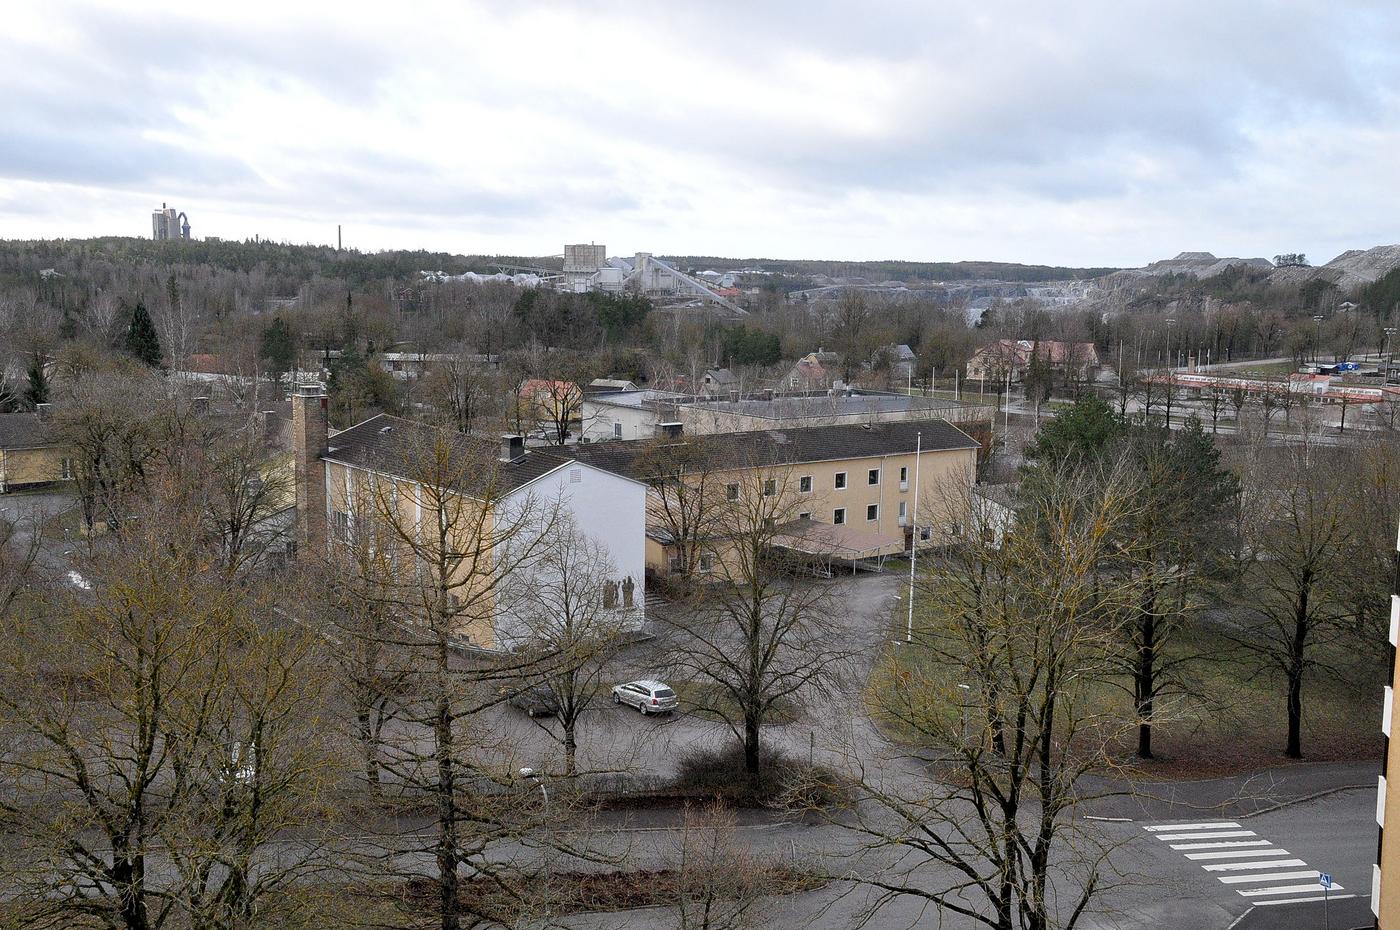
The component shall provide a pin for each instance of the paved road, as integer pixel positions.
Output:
(1250, 872)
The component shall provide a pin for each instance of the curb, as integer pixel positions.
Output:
(1307, 797)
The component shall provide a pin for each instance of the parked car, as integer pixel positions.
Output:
(535, 700)
(647, 695)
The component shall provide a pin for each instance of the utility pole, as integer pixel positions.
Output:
(914, 536)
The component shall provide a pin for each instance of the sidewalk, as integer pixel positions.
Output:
(1234, 796)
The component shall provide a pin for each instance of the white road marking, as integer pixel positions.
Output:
(1226, 845)
(1284, 889)
(1268, 877)
(1330, 897)
(1260, 862)
(1211, 835)
(1241, 866)
(1239, 853)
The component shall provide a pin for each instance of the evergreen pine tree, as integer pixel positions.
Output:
(278, 349)
(141, 339)
(38, 390)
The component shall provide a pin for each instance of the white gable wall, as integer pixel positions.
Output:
(609, 509)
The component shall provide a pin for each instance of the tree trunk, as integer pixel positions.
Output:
(127, 874)
(1296, 655)
(751, 763)
(367, 745)
(1144, 677)
(1294, 750)
(570, 747)
(446, 852)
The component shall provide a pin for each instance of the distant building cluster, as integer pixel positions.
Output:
(166, 223)
(587, 268)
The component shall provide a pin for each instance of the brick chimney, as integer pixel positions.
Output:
(512, 447)
(309, 432)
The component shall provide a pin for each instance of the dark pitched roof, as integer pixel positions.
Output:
(387, 445)
(786, 446)
(25, 431)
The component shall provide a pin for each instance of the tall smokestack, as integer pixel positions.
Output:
(310, 430)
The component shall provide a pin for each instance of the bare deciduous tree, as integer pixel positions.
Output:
(572, 613)
(1013, 636)
(764, 634)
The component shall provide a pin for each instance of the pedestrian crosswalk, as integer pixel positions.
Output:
(1244, 862)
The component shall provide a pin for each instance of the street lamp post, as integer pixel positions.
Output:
(1389, 331)
(963, 705)
(1317, 333)
(1170, 323)
(538, 779)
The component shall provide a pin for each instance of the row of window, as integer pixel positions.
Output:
(872, 513)
(804, 483)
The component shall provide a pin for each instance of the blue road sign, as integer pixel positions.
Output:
(1325, 880)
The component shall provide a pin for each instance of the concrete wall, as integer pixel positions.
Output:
(704, 421)
(636, 422)
(20, 467)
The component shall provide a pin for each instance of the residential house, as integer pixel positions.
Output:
(994, 511)
(900, 359)
(852, 488)
(1078, 361)
(373, 472)
(600, 385)
(30, 452)
(719, 381)
(549, 403)
(815, 371)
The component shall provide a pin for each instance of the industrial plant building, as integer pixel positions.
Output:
(166, 223)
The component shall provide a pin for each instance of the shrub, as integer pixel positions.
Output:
(789, 783)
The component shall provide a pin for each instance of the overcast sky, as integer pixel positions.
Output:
(1085, 133)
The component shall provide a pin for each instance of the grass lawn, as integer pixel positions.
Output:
(1226, 714)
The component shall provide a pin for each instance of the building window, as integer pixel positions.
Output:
(707, 562)
(955, 529)
(903, 512)
(805, 515)
(925, 533)
(731, 492)
(67, 465)
(340, 521)
(838, 516)
(617, 430)
(903, 475)
(840, 480)
(770, 487)
(873, 477)
(872, 511)
(804, 484)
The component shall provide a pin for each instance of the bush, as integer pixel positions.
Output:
(786, 782)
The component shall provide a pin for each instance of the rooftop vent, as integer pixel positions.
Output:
(512, 447)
